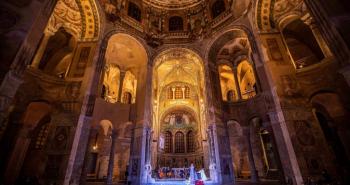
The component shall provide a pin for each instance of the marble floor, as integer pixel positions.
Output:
(264, 182)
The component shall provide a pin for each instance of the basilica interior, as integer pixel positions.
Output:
(144, 92)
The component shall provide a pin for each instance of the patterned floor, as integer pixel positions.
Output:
(183, 183)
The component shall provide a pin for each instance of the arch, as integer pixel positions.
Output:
(228, 83)
(131, 59)
(35, 112)
(106, 127)
(111, 82)
(234, 128)
(132, 52)
(238, 149)
(173, 53)
(302, 44)
(129, 88)
(214, 47)
(268, 12)
(85, 22)
(180, 69)
(246, 79)
(184, 108)
(236, 46)
(329, 103)
(58, 53)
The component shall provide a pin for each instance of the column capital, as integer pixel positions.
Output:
(307, 19)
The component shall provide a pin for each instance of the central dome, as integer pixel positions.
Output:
(173, 4)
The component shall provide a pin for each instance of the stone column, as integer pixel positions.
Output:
(109, 180)
(253, 172)
(285, 148)
(308, 20)
(77, 153)
(13, 78)
(237, 83)
(120, 92)
(40, 52)
(8, 90)
(17, 156)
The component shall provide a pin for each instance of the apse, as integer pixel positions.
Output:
(178, 112)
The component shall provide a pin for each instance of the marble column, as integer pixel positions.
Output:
(253, 172)
(8, 90)
(308, 20)
(77, 153)
(109, 180)
(235, 75)
(120, 92)
(13, 78)
(17, 156)
(285, 147)
(40, 52)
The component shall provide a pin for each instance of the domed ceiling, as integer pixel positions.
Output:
(173, 4)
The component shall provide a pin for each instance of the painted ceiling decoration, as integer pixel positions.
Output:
(78, 17)
(173, 4)
(268, 11)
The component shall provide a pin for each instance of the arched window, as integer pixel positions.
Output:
(246, 79)
(58, 53)
(168, 148)
(302, 44)
(190, 141)
(176, 24)
(228, 84)
(187, 92)
(127, 98)
(179, 142)
(218, 8)
(178, 92)
(134, 11)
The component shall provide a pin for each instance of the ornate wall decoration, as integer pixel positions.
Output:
(290, 86)
(303, 130)
(274, 49)
(268, 11)
(67, 15)
(80, 18)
